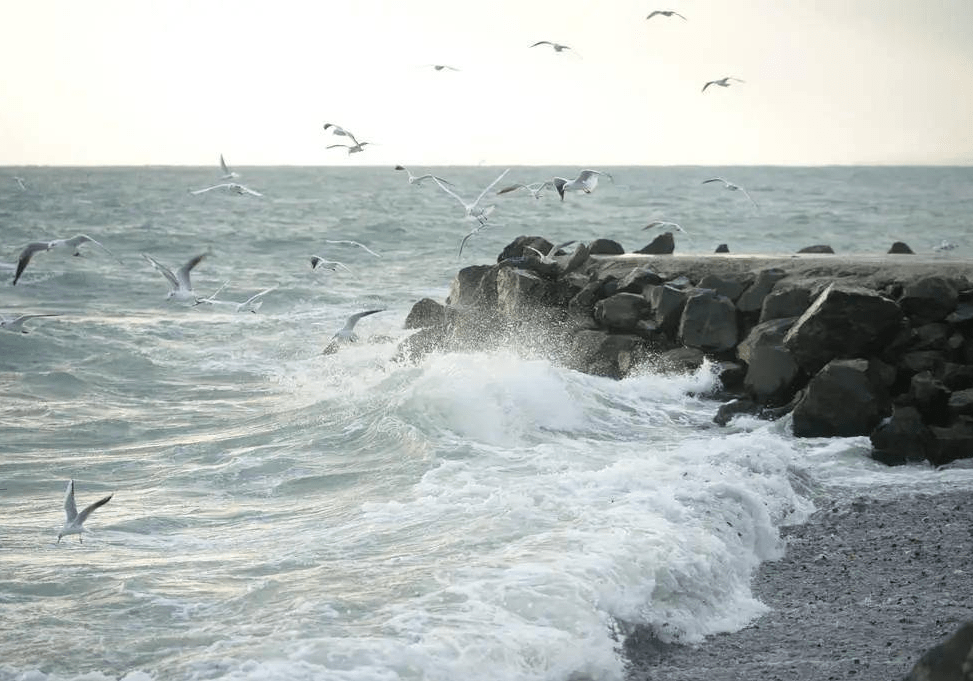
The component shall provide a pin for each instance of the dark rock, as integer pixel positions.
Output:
(767, 333)
(930, 337)
(902, 438)
(636, 280)
(601, 353)
(956, 376)
(567, 286)
(929, 300)
(418, 345)
(731, 374)
(474, 286)
(708, 322)
(583, 303)
(664, 244)
(901, 247)
(930, 397)
(681, 360)
(731, 287)
(728, 410)
(953, 442)
(667, 305)
(951, 660)
(921, 360)
(962, 315)
(771, 375)
(842, 322)
(788, 300)
(622, 312)
(605, 247)
(841, 401)
(577, 259)
(427, 312)
(520, 293)
(680, 282)
(753, 298)
(531, 263)
(722, 248)
(961, 403)
(819, 248)
(518, 248)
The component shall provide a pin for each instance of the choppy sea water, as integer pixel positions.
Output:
(283, 514)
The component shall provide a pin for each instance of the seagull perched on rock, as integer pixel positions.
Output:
(227, 173)
(346, 334)
(473, 210)
(418, 179)
(666, 13)
(74, 521)
(722, 82)
(586, 181)
(16, 324)
(180, 287)
(232, 187)
(733, 188)
(73, 244)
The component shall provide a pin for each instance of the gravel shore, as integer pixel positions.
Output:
(867, 585)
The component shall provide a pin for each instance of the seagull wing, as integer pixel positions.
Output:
(747, 194)
(27, 254)
(215, 186)
(512, 188)
(18, 323)
(70, 510)
(708, 83)
(555, 249)
(247, 190)
(353, 319)
(226, 171)
(653, 14)
(543, 42)
(165, 271)
(255, 296)
(490, 186)
(588, 179)
(680, 16)
(717, 179)
(79, 239)
(353, 243)
(182, 274)
(452, 193)
(90, 508)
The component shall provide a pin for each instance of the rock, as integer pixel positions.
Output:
(788, 300)
(956, 376)
(902, 438)
(753, 298)
(731, 287)
(930, 337)
(521, 293)
(667, 304)
(605, 247)
(961, 403)
(622, 312)
(425, 313)
(901, 247)
(583, 303)
(474, 286)
(953, 442)
(420, 344)
(929, 299)
(771, 375)
(663, 244)
(951, 660)
(708, 322)
(577, 259)
(518, 248)
(727, 411)
(722, 248)
(636, 280)
(601, 353)
(917, 361)
(842, 322)
(841, 401)
(930, 397)
(819, 248)
(681, 360)
(731, 374)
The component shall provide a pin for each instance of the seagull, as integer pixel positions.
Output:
(74, 244)
(733, 188)
(352, 148)
(16, 324)
(473, 210)
(722, 82)
(227, 173)
(346, 334)
(352, 243)
(586, 181)
(74, 521)
(418, 179)
(548, 258)
(234, 187)
(443, 67)
(20, 183)
(666, 13)
(558, 47)
(333, 265)
(664, 223)
(338, 130)
(180, 286)
(251, 304)
(535, 188)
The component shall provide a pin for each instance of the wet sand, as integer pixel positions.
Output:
(866, 586)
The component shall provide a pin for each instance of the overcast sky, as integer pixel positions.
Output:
(103, 82)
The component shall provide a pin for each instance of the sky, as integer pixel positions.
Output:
(178, 82)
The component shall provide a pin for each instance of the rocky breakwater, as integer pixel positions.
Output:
(875, 345)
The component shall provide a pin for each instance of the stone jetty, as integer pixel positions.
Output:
(867, 345)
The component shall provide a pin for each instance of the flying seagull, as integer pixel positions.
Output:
(352, 243)
(20, 183)
(180, 287)
(74, 520)
(733, 188)
(722, 82)
(16, 324)
(227, 173)
(666, 13)
(352, 148)
(586, 181)
(535, 188)
(548, 258)
(664, 223)
(232, 187)
(346, 334)
(443, 67)
(73, 244)
(418, 179)
(338, 130)
(558, 47)
(333, 265)
(473, 209)
(251, 304)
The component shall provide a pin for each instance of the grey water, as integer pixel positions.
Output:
(283, 514)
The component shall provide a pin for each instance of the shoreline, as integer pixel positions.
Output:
(864, 588)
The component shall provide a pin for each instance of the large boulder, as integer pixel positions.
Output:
(664, 244)
(520, 247)
(842, 400)
(788, 299)
(622, 312)
(521, 293)
(951, 660)
(843, 322)
(425, 313)
(731, 286)
(771, 370)
(605, 247)
(601, 353)
(902, 437)
(708, 322)
(953, 442)
(474, 286)
(929, 299)
(637, 279)
(931, 397)
(667, 304)
(753, 298)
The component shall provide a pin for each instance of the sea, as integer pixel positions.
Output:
(283, 514)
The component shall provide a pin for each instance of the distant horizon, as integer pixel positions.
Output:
(968, 164)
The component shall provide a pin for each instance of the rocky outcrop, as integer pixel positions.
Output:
(877, 347)
(951, 660)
